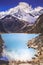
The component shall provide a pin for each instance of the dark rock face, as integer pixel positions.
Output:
(1, 46)
(39, 24)
(11, 24)
(1, 28)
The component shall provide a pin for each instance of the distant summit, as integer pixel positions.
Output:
(22, 18)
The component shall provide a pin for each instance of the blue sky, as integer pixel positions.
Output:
(6, 4)
(16, 46)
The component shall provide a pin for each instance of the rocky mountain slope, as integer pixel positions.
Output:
(22, 18)
(11, 24)
(37, 43)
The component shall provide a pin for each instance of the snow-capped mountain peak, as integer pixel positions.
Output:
(23, 11)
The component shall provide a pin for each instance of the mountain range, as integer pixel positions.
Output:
(21, 18)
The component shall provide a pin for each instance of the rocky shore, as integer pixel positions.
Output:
(37, 43)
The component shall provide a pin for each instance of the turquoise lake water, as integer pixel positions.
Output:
(18, 43)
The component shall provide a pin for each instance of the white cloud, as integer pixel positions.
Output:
(25, 6)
